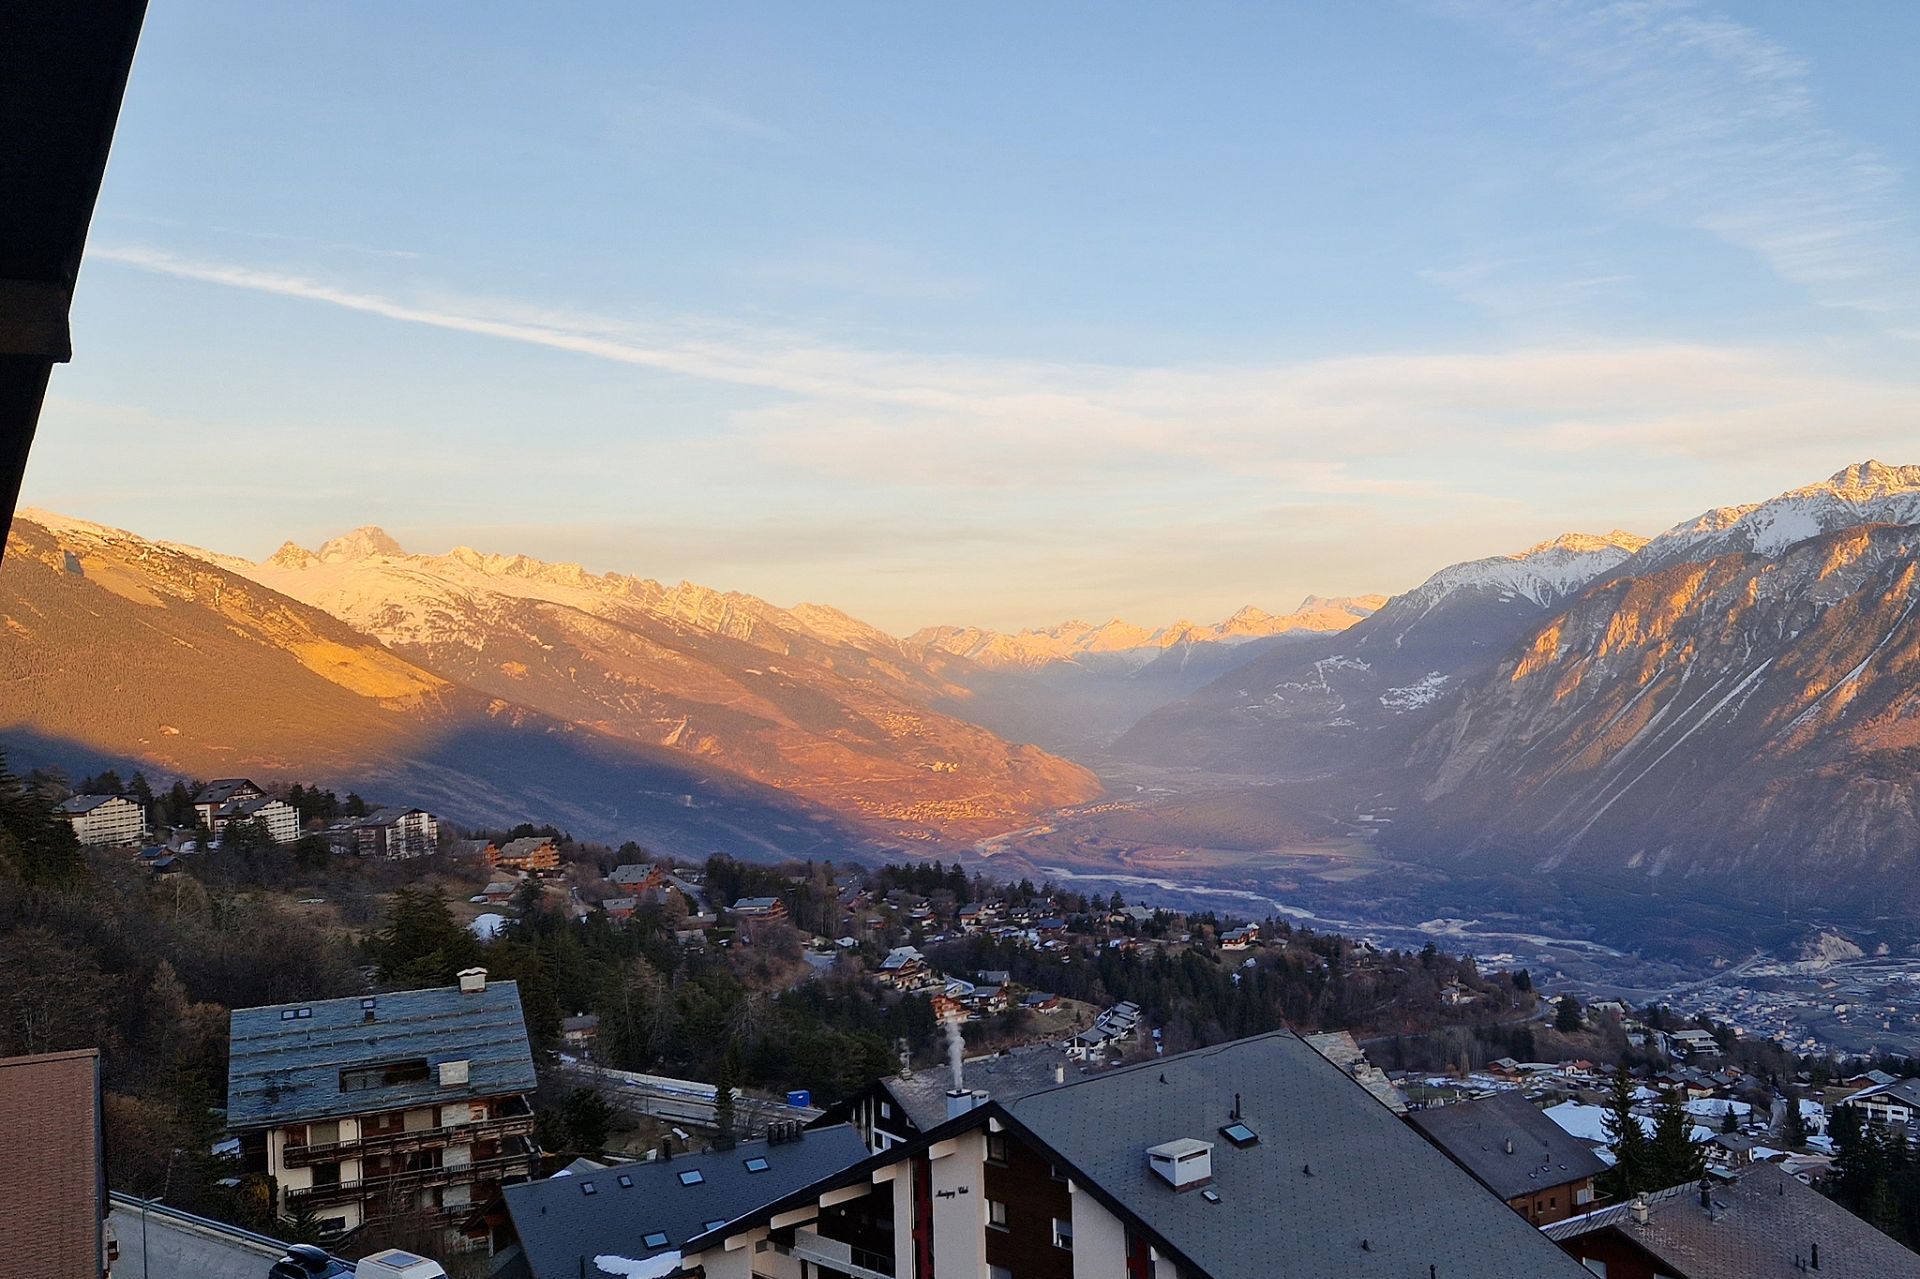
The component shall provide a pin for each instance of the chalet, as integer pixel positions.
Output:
(530, 855)
(1041, 1001)
(620, 907)
(638, 880)
(501, 891)
(905, 968)
(1694, 1045)
(987, 1000)
(1240, 1161)
(1510, 1147)
(766, 909)
(1050, 927)
(1894, 1103)
(280, 818)
(217, 794)
(412, 1103)
(1765, 1223)
(104, 821)
(395, 833)
(579, 1031)
(947, 1008)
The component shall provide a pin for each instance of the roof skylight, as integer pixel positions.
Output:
(757, 1164)
(1240, 1135)
(692, 1177)
(654, 1239)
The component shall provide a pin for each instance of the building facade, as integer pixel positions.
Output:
(396, 833)
(104, 821)
(411, 1104)
(280, 818)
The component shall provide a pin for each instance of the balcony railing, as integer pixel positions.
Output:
(400, 1183)
(382, 1143)
(859, 1263)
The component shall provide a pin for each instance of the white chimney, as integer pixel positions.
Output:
(1641, 1209)
(472, 980)
(960, 1101)
(1059, 1072)
(1184, 1163)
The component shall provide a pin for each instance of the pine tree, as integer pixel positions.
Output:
(36, 844)
(1674, 1160)
(723, 1102)
(1793, 1128)
(1630, 1172)
(1566, 1018)
(1729, 1122)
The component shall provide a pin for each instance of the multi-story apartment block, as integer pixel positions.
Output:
(387, 832)
(406, 1104)
(104, 820)
(1248, 1160)
(220, 792)
(530, 855)
(282, 820)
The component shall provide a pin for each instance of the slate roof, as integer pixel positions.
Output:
(50, 1164)
(1477, 1135)
(285, 1069)
(1758, 1228)
(1371, 1178)
(74, 805)
(559, 1223)
(222, 789)
(1011, 1074)
(632, 874)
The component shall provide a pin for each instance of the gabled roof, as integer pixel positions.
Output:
(1757, 1228)
(222, 789)
(1508, 1144)
(525, 845)
(633, 874)
(248, 807)
(284, 1067)
(559, 1222)
(75, 805)
(1331, 1167)
(1013, 1073)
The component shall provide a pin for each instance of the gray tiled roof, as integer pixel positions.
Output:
(1372, 1179)
(285, 1070)
(1011, 1074)
(1760, 1226)
(559, 1223)
(222, 789)
(74, 805)
(1506, 1142)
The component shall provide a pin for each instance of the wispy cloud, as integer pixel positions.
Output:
(1681, 113)
(1339, 427)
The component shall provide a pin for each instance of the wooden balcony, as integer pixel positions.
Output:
(398, 1142)
(359, 1189)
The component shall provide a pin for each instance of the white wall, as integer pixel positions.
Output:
(1099, 1239)
(960, 1206)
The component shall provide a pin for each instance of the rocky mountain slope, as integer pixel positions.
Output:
(1349, 699)
(1749, 716)
(808, 700)
(118, 649)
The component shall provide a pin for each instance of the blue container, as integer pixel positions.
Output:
(800, 1097)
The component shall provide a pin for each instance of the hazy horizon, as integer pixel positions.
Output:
(1175, 312)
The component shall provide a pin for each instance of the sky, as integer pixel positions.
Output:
(992, 314)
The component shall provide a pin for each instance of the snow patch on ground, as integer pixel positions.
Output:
(487, 927)
(1421, 692)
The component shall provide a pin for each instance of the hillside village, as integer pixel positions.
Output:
(915, 1004)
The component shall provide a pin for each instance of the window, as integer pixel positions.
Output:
(886, 1111)
(692, 1177)
(588, 1188)
(1240, 1135)
(997, 1147)
(385, 1075)
(757, 1164)
(654, 1239)
(996, 1214)
(999, 1272)
(626, 1182)
(1063, 1233)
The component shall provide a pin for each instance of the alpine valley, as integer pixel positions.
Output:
(1722, 719)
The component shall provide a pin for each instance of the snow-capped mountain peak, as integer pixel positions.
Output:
(1544, 573)
(1868, 492)
(363, 543)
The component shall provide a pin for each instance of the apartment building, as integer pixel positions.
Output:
(530, 855)
(220, 792)
(104, 821)
(1243, 1161)
(396, 833)
(405, 1104)
(281, 819)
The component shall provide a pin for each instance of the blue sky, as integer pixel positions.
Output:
(992, 313)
